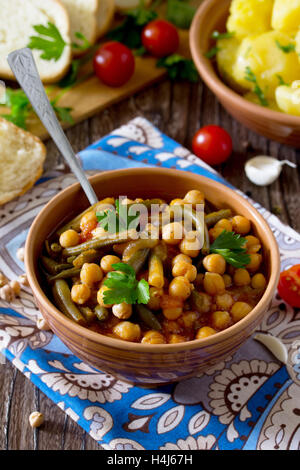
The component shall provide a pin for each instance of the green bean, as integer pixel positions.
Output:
(206, 244)
(148, 203)
(88, 256)
(75, 223)
(67, 273)
(99, 242)
(148, 317)
(198, 302)
(138, 259)
(88, 313)
(70, 259)
(62, 297)
(214, 217)
(101, 313)
(55, 248)
(136, 246)
(156, 271)
(51, 266)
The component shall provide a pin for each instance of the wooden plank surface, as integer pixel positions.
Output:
(178, 110)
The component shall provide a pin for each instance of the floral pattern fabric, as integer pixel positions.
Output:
(249, 401)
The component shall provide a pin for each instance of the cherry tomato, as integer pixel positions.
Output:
(289, 286)
(212, 144)
(114, 64)
(160, 38)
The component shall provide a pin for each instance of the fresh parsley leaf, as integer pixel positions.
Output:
(212, 52)
(63, 113)
(119, 220)
(180, 13)
(141, 15)
(49, 41)
(286, 49)
(216, 35)
(19, 105)
(281, 81)
(250, 76)
(108, 220)
(140, 51)
(85, 43)
(231, 247)
(124, 287)
(126, 220)
(179, 68)
(71, 77)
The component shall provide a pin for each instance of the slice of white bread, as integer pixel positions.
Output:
(22, 156)
(105, 16)
(17, 18)
(83, 19)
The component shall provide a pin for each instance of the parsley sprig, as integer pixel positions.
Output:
(49, 41)
(250, 76)
(124, 287)
(179, 68)
(180, 13)
(231, 247)
(216, 35)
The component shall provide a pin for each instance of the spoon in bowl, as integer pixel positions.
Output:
(25, 70)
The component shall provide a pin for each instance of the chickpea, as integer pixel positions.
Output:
(89, 219)
(126, 201)
(227, 280)
(241, 277)
(224, 224)
(220, 320)
(239, 310)
(69, 238)
(258, 281)
(172, 313)
(241, 224)
(172, 233)
(91, 273)
(194, 197)
(204, 332)
(224, 301)
(181, 258)
(189, 319)
(214, 232)
(185, 269)
(80, 293)
(213, 283)
(176, 202)
(153, 337)
(127, 331)
(122, 311)
(107, 262)
(253, 244)
(100, 295)
(176, 339)
(214, 263)
(155, 297)
(180, 287)
(255, 262)
(36, 419)
(190, 245)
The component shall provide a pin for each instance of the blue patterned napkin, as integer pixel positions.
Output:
(248, 401)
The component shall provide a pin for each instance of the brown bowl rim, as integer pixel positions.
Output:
(214, 82)
(140, 347)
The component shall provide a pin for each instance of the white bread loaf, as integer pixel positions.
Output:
(83, 19)
(22, 157)
(17, 18)
(105, 16)
(124, 5)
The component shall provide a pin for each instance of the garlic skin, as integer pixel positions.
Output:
(263, 170)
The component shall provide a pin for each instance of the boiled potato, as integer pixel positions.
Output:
(286, 15)
(288, 98)
(249, 17)
(226, 57)
(268, 62)
(297, 41)
(250, 96)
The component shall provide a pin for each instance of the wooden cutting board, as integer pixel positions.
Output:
(91, 96)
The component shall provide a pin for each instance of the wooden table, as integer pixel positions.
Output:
(178, 110)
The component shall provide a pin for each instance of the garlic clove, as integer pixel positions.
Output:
(263, 170)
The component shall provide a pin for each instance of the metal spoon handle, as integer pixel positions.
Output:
(24, 68)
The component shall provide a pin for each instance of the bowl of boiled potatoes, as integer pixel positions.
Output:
(248, 53)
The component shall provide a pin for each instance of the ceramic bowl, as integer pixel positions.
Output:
(141, 363)
(211, 16)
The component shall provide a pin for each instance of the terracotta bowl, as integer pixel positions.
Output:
(211, 16)
(141, 363)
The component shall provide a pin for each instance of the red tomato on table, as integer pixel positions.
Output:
(160, 38)
(212, 144)
(289, 286)
(114, 64)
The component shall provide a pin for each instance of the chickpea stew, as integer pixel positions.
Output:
(153, 272)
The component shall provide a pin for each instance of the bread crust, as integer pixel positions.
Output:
(104, 24)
